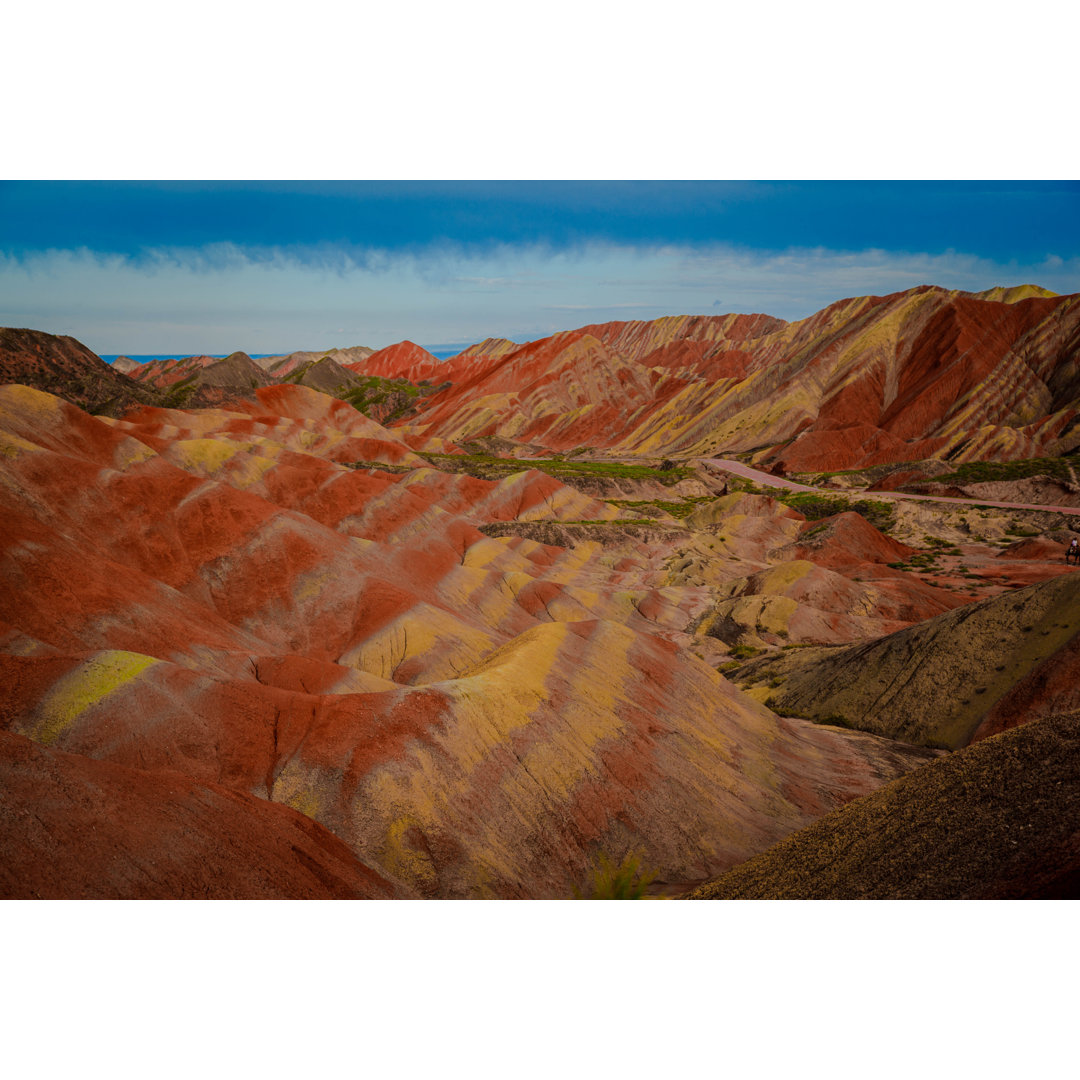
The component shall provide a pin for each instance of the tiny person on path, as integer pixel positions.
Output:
(1073, 553)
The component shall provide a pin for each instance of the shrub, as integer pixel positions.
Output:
(490, 466)
(681, 509)
(744, 652)
(975, 471)
(834, 720)
(627, 880)
(814, 507)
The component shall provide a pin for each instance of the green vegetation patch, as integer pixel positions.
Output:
(391, 399)
(179, 394)
(814, 507)
(380, 466)
(744, 652)
(298, 373)
(682, 509)
(625, 880)
(976, 472)
(491, 467)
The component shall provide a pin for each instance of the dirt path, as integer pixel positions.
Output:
(767, 480)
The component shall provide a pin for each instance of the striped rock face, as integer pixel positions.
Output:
(915, 375)
(165, 373)
(405, 360)
(384, 671)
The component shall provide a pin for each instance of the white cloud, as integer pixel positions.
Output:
(210, 299)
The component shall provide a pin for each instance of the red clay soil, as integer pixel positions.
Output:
(998, 820)
(75, 828)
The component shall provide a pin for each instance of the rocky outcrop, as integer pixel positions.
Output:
(204, 381)
(325, 375)
(237, 371)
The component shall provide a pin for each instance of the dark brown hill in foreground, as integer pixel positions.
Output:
(67, 368)
(996, 821)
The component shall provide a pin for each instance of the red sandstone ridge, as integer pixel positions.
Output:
(914, 375)
(490, 347)
(405, 360)
(165, 373)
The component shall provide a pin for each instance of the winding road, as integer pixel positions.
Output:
(767, 480)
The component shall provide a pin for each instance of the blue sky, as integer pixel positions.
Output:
(154, 267)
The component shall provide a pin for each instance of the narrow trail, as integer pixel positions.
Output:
(767, 480)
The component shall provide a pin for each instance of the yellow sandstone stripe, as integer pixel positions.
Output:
(87, 685)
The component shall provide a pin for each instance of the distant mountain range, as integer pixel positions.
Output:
(921, 374)
(926, 373)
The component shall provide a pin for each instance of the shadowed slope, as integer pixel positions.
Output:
(73, 828)
(998, 820)
(325, 375)
(945, 681)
